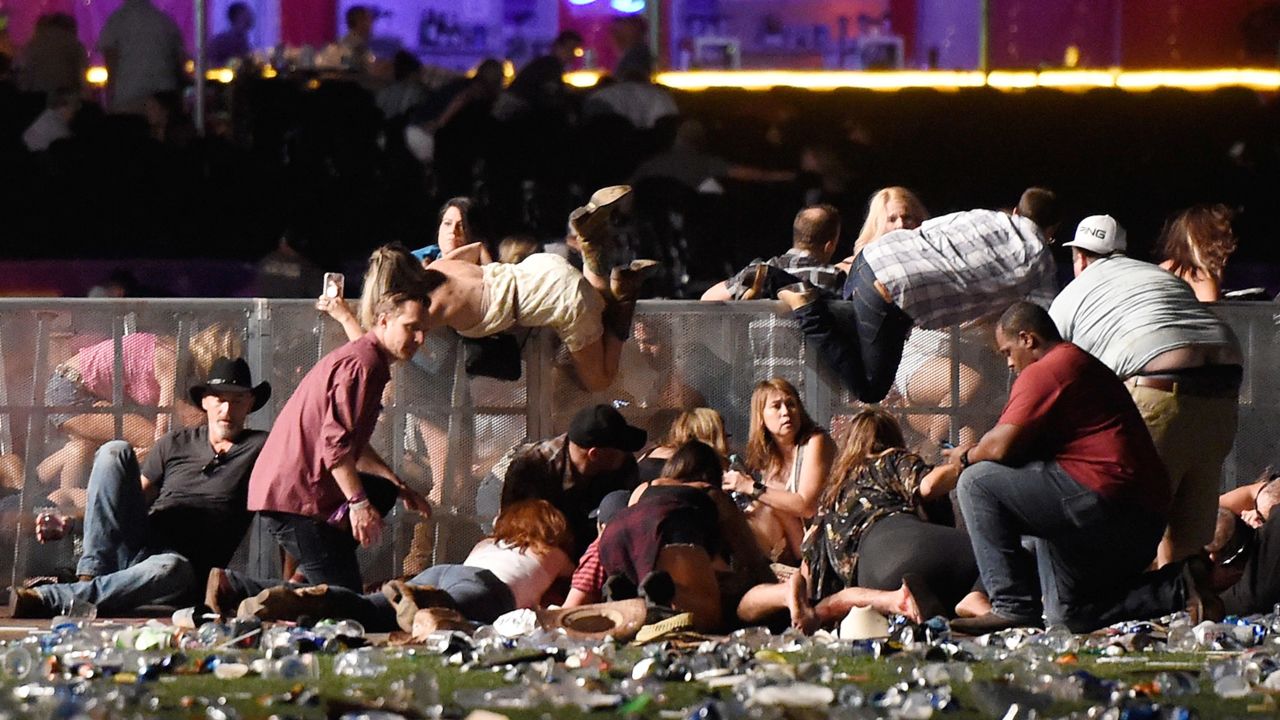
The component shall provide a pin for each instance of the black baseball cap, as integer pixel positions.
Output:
(610, 505)
(602, 426)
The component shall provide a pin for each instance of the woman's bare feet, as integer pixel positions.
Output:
(905, 604)
(975, 604)
(802, 615)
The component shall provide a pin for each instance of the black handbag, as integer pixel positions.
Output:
(496, 356)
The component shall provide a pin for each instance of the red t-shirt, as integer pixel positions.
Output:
(1079, 413)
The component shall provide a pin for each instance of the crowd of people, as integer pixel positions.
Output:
(1090, 497)
(1093, 498)
(325, 174)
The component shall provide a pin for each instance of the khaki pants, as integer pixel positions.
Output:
(1193, 435)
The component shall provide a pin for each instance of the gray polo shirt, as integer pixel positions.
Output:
(1125, 312)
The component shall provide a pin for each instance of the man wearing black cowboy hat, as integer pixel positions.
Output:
(150, 531)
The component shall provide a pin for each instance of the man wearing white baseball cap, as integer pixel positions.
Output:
(1181, 363)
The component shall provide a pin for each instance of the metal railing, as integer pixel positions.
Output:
(443, 431)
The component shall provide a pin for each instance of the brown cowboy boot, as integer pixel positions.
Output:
(624, 285)
(591, 222)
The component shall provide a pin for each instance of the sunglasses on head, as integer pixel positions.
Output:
(218, 460)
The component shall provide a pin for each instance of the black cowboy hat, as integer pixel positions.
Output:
(228, 374)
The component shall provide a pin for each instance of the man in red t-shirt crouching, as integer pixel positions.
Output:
(1071, 464)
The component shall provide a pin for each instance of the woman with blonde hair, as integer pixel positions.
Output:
(703, 424)
(1196, 244)
(924, 374)
(889, 209)
(792, 456)
(881, 538)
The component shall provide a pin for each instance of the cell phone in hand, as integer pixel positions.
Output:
(946, 445)
(334, 284)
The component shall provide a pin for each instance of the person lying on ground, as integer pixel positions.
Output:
(514, 568)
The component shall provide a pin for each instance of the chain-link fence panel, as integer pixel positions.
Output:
(76, 373)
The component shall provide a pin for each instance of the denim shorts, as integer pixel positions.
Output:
(65, 389)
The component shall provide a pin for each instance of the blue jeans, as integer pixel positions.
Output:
(479, 595)
(325, 554)
(127, 573)
(1090, 552)
(860, 340)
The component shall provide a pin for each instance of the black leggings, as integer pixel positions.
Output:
(860, 340)
(901, 544)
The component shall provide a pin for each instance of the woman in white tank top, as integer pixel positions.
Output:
(792, 457)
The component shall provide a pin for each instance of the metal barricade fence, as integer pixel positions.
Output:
(443, 431)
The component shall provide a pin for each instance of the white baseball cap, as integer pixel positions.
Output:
(1099, 234)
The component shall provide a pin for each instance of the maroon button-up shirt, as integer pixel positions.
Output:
(329, 418)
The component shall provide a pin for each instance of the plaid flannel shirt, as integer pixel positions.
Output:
(964, 266)
(827, 278)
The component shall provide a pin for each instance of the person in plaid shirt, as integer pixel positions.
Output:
(815, 234)
(952, 269)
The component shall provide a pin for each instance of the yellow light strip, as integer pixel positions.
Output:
(1256, 78)
(820, 80)
(1084, 79)
(1261, 79)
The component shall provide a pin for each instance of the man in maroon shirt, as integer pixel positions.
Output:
(319, 488)
(1071, 464)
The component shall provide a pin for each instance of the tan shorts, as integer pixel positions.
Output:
(542, 291)
(1193, 435)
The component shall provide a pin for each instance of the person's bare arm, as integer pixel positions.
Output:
(939, 481)
(339, 310)
(471, 252)
(816, 467)
(718, 292)
(578, 598)
(1242, 499)
(166, 372)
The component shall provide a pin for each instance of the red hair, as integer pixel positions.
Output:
(533, 525)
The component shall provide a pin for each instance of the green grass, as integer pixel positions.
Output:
(183, 696)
